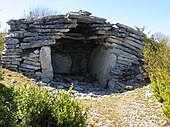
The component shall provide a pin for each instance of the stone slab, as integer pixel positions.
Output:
(46, 62)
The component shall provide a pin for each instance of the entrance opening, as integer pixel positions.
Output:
(71, 58)
(78, 56)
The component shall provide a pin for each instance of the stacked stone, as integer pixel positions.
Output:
(127, 44)
(11, 53)
(29, 39)
(30, 63)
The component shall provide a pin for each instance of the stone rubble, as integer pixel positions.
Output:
(35, 47)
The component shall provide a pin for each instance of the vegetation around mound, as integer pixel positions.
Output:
(157, 57)
(1, 43)
(24, 104)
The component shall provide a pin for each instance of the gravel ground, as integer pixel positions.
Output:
(137, 108)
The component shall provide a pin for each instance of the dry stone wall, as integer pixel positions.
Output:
(31, 42)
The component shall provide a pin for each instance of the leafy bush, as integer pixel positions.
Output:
(1, 43)
(38, 107)
(7, 107)
(157, 57)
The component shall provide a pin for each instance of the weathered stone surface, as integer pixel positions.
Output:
(56, 26)
(87, 19)
(137, 37)
(132, 43)
(128, 60)
(63, 20)
(101, 63)
(11, 66)
(32, 67)
(62, 63)
(33, 55)
(11, 56)
(34, 42)
(114, 40)
(51, 30)
(11, 46)
(80, 12)
(11, 62)
(46, 63)
(30, 59)
(38, 38)
(9, 40)
(46, 80)
(21, 34)
(130, 29)
(37, 51)
(16, 50)
(23, 69)
(135, 40)
(32, 63)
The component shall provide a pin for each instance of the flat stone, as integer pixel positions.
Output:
(7, 46)
(30, 59)
(86, 19)
(10, 59)
(32, 63)
(60, 87)
(113, 40)
(55, 26)
(49, 21)
(11, 41)
(11, 66)
(41, 83)
(37, 51)
(12, 50)
(129, 87)
(38, 74)
(51, 30)
(29, 66)
(130, 29)
(46, 80)
(12, 62)
(33, 42)
(34, 80)
(33, 55)
(22, 69)
(75, 82)
(141, 38)
(54, 83)
(134, 44)
(78, 88)
(128, 60)
(21, 34)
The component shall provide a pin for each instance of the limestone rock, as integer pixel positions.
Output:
(46, 63)
(21, 34)
(9, 40)
(62, 63)
(33, 42)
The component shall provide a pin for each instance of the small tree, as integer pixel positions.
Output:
(38, 12)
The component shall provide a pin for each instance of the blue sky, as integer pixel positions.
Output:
(153, 14)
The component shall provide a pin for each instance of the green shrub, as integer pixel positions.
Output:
(157, 57)
(38, 107)
(7, 107)
(1, 43)
(1, 73)
(32, 106)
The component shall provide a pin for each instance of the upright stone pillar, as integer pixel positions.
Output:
(46, 64)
